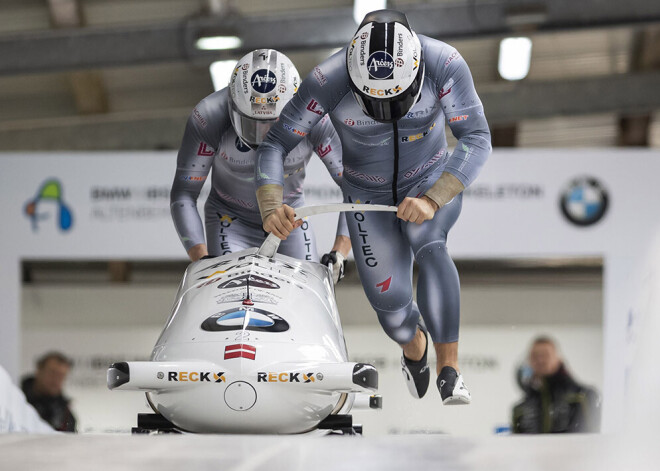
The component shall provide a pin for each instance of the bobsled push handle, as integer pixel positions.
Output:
(272, 242)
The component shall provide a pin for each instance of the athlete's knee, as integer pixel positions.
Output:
(432, 250)
(399, 325)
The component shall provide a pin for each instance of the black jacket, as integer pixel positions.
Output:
(53, 409)
(558, 404)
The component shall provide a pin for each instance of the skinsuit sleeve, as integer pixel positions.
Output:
(318, 94)
(326, 143)
(208, 121)
(463, 111)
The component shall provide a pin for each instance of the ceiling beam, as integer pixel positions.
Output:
(504, 104)
(623, 93)
(41, 51)
(87, 86)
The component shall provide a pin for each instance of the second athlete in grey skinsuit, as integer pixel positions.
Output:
(232, 215)
(387, 160)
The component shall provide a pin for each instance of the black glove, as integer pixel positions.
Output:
(337, 261)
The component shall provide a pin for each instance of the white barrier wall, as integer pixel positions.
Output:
(119, 208)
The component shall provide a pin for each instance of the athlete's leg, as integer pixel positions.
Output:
(384, 261)
(438, 287)
(301, 243)
(227, 233)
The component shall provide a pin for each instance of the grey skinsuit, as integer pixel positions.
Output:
(231, 211)
(384, 246)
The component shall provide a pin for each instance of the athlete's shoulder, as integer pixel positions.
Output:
(213, 110)
(438, 55)
(331, 73)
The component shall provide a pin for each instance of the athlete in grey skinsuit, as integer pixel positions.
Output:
(232, 215)
(384, 246)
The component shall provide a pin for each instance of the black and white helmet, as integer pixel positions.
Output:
(263, 82)
(385, 65)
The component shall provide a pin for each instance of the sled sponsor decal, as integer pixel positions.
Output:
(197, 376)
(245, 318)
(288, 377)
(256, 281)
(240, 350)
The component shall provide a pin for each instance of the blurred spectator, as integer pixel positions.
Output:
(44, 391)
(554, 402)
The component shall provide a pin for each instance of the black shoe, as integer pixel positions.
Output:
(452, 388)
(416, 373)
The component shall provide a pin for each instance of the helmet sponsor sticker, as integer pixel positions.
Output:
(263, 81)
(380, 65)
(382, 91)
(264, 100)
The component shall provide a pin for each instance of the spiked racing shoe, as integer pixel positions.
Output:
(416, 373)
(452, 388)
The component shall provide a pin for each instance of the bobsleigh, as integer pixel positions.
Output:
(254, 344)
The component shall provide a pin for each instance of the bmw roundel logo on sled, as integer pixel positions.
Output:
(263, 80)
(247, 318)
(584, 201)
(255, 282)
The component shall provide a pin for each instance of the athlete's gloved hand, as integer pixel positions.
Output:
(338, 262)
(417, 210)
(282, 221)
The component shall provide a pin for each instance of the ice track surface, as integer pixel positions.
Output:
(396, 452)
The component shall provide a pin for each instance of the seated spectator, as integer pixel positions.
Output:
(554, 402)
(44, 391)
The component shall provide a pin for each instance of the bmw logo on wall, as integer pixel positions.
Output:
(584, 201)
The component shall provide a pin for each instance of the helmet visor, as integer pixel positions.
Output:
(393, 109)
(251, 131)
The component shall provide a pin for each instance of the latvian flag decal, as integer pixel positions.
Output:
(240, 350)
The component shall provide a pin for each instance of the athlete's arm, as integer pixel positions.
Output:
(326, 143)
(318, 93)
(208, 120)
(465, 115)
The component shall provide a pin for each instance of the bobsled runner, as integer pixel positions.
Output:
(254, 344)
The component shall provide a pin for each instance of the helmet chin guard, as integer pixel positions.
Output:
(263, 82)
(385, 66)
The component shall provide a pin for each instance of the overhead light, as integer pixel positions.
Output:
(515, 56)
(362, 7)
(221, 73)
(216, 43)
